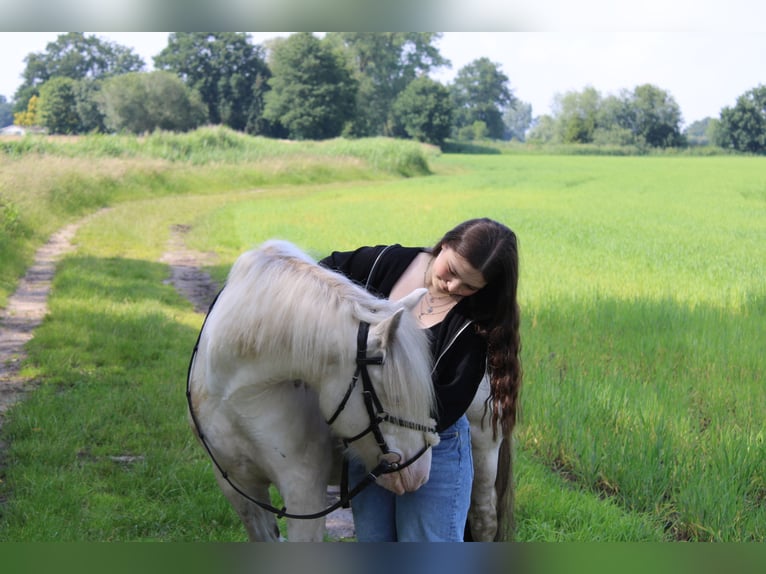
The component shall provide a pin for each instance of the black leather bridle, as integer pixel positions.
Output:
(375, 412)
(373, 405)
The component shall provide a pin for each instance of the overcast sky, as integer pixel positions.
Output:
(702, 69)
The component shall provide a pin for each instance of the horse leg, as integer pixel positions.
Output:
(482, 515)
(302, 469)
(260, 524)
(304, 490)
(301, 530)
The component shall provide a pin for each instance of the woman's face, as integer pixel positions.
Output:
(451, 273)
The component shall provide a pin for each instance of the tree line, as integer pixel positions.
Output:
(350, 84)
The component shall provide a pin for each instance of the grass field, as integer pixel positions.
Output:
(643, 295)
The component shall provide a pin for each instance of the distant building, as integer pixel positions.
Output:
(13, 131)
(20, 131)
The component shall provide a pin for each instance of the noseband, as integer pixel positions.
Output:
(374, 409)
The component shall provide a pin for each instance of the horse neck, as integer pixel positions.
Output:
(306, 340)
(292, 313)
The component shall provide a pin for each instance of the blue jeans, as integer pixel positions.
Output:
(436, 512)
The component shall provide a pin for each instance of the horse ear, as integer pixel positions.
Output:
(385, 331)
(409, 301)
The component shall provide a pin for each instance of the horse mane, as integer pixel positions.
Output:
(279, 302)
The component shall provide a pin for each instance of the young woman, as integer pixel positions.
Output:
(472, 314)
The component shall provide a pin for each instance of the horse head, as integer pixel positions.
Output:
(385, 416)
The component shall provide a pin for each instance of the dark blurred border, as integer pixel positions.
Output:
(263, 15)
(376, 15)
(350, 558)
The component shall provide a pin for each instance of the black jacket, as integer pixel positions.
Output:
(460, 354)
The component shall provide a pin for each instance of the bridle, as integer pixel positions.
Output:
(373, 405)
(375, 412)
(377, 415)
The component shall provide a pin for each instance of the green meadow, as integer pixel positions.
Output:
(643, 294)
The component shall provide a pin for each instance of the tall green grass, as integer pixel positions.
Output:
(216, 145)
(656, 405)
(643, 301)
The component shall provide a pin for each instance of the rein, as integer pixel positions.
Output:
(374, 409)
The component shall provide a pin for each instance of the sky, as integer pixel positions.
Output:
(703, 69)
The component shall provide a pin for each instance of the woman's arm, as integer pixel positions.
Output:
(355, 264)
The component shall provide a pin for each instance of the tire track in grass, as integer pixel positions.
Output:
(25, 312)
(199, 288)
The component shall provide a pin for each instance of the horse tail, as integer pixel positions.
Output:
(505, 492)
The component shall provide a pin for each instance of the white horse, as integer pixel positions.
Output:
(279, 355)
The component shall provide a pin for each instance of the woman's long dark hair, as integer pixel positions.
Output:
(492, 248)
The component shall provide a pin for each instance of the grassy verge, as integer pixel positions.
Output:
(48, 182)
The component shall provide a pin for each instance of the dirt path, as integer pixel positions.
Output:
(28, 306)
(25, 311)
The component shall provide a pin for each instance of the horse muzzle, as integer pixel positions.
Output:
(409, 478)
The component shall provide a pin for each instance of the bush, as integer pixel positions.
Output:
(57, 109)
(424, 110)
(141, 103)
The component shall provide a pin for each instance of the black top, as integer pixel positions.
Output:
(460, 354)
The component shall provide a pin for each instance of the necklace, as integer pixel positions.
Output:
(431, 308)
(431, 304)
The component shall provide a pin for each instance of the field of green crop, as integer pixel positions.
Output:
(644, 298)
(643, 294)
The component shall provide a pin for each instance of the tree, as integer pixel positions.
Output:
(656, 117)
(27, 117)
(227, 70)
(615, 121)
(698, 132)
(543, 130)
(384, 64)
(87, 99)
(646, 116)
(480, 92)
(424, 110)
(67, 106)
(144, 102)
(743, 127)
(517, 120)
(714, 133)
(312, 90)
(77, 56)
(57, 107)
(577, 115)
(476, 131)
